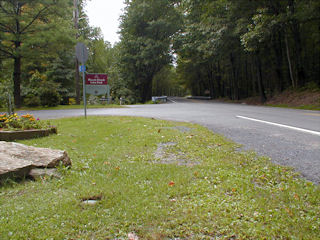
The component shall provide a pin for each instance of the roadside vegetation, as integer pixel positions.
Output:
(306, 99)
(157, 180)
(65, 107)
(217, 48)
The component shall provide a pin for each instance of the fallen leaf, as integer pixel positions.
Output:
(117, 168)
(159, 130)
(289, 211)
(171, 183)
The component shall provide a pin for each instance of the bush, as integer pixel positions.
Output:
(50, 98)
(32, 100)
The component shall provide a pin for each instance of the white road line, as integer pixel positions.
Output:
(281, 125)
(172, 100)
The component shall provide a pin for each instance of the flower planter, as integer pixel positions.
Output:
(26, 134)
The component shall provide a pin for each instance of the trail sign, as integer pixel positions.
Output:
(81, 52)
(82, 68)
(96, 84)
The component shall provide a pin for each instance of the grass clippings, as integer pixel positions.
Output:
(227, 195)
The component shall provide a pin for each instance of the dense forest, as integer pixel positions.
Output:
(219, 48)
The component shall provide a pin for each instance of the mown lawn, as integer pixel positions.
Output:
(209, 190)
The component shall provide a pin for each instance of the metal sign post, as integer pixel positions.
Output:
(82, 56)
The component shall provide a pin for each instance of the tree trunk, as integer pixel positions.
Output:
(235, 88)
(253, 78)
(298, 46)
(146, 91)
(260, 82)
(289, 63)
(211, 80)
(219, 85)
(17, 82)
(279, 62)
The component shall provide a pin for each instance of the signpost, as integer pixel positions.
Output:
(96, 83)
(82, 56)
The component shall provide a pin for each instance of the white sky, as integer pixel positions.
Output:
(105, 14)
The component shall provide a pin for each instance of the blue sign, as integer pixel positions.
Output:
(82, 68)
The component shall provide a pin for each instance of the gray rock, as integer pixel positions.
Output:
(37, 173)
(17, 159)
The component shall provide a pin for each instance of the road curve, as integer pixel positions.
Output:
(289, 137)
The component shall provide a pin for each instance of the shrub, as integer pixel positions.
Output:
(72, 101)
(50, 98)
(32, 100)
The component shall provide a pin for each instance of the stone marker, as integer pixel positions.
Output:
(17, 159)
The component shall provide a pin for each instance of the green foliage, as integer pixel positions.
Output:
(41, 91)
(33, 30)
(49, 97)
(240, 48)
(32, 100)
(146, 31)
(166, 82)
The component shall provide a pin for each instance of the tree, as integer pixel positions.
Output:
(147, 28)
(237, 48)
(27, 28)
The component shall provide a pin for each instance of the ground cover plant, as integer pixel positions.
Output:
(157, 180)
(13, 122)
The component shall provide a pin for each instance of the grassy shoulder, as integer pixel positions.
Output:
(199, 187)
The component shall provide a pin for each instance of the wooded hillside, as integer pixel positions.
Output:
(219, 48)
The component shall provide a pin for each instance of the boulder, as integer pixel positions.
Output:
(17, 159)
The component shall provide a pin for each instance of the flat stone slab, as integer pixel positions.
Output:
(18, 159)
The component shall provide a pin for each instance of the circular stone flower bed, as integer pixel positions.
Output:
(14, 127)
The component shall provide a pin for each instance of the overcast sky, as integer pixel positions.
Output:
(105, 14)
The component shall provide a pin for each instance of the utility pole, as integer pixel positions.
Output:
(77, 75)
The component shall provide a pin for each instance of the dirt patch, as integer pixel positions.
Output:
(182, 129)
(288, 98)
(163, 155)
(296, 98)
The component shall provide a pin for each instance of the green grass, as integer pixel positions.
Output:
(226, 194)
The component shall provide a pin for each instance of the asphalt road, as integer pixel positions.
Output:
(289, 137)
